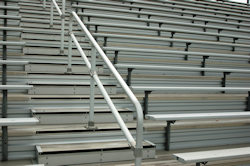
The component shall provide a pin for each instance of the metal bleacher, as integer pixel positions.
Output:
(127, 82)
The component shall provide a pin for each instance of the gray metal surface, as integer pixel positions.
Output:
(169, 117)
(18, 121)
(213, 155)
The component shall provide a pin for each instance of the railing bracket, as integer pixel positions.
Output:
(224, 79)
(145, 110)
(63, 16)
(248, 102)
(168, 133)
(129, 76)
(203, 64)
(138, 152)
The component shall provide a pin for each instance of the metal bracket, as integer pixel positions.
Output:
(168, 133)
(116, 57)
(91, 126)
(204, 163)
(224, 79)
(61, 52)
(145, 110)
(203, 64)
(186, 49)
(69, 71)
(172, 34)
(63, 16)
(233, 49)
(105, 42)
(92, 73)
(248, 102)
(129, 76)
(50, 26)
(96, 28)
(71, 32)
(138, 152)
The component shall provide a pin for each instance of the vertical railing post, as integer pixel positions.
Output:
(51, 14)
(44, 4)
(62, 27)
(91, 124)
(69, 69)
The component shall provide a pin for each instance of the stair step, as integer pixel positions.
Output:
(67, 88)
(83, 153)
(53, 37)
(79, 115)
(57, 68)
(53, 51)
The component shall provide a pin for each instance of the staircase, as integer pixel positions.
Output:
(140, 38)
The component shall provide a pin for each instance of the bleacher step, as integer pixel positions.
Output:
(59, 68)
(79, 115)
(67, 88)
(84, 153)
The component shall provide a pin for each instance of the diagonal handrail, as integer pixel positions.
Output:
(136, 146)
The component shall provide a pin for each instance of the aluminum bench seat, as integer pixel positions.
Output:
(165, 51)
(18, 121)
(193, 116)
(212, 155)
(150, 7)
(209, 6)
(11, 28)
(10, 17)
(10, 7)
(175, 4)
(158, 15)
(184, 24)
(179, 68)
(166, 30)
(169, 40)
(7, 43)
(152, 88)
(10, 62)
(15, 87)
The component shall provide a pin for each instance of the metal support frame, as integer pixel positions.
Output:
(145, 110)
(129, 76)
(91, 123)
(224, 79)
(116, 57)
(62, 15)
(172, 36)
(203, 64)
(136, 144)
(5, 93)
(186, 49)
(168, 134)
(234, 40)
(248, 102)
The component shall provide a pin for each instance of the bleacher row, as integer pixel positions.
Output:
(185, 61)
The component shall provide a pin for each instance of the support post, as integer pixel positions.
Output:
(168, 134)
(198, 164)
(248, 102)
(62, 27)
(51, 14)
(224, 79)
(69, 69)
(5, 92)
(91, 123)
(116, 57)
(203, 64)
(145, 110)
(129, 76)
(186, 49)
(44, 4)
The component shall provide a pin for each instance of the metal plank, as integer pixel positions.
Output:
(18, 121)
(169, 117)
(213, 155)
(13, 87)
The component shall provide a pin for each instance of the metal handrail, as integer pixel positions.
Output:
(62, 15)
(136, 146)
